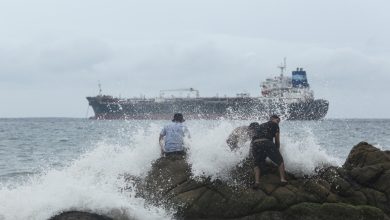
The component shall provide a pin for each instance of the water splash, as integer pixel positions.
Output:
(93, 182)
(90, 183)
(209, 154)
(303, 154)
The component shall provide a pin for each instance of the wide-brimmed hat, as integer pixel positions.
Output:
(178, 117)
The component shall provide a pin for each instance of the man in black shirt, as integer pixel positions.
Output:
(266, 143)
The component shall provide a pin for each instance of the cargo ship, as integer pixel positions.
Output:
(288, 96)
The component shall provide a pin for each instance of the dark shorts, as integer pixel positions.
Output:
(175, 153)
(263, 149)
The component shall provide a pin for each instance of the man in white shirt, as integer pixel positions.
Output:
(173, 135)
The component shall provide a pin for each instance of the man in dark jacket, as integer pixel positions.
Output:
(266, 143)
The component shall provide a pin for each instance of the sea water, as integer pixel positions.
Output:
(50, 165)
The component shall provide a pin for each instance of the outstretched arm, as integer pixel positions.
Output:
(232, 141)
(187, 132)
(160, 141)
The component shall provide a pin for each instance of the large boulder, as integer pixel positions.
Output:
(358, 190)
(370, 167)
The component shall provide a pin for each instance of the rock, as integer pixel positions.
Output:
(382, 183)
(376, 198)
(358, 190)
(76, 215)
(285, 197)
(364, 154)
(318, 190)
(334, 211)
(113, 214)
(369, 166)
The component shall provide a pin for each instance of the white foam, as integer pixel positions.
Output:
(302, 154)
(94, 181)
(91, 183)
(209, 153)
(381, 147)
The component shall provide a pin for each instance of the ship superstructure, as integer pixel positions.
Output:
(292, 89)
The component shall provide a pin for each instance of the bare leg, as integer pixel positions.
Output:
(257, 174)
(282, 173)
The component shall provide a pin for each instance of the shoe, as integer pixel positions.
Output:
(256, 186)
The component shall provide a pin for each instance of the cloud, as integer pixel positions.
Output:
(33, 62)
(73, 56)
(213, 63)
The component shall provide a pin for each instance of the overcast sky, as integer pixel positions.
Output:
(53, 53)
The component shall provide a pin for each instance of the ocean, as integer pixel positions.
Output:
(50, 165)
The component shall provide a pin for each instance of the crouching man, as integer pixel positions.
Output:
(172, 137)
(266, 143)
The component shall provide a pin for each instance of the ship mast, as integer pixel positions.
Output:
(282, 67)
(100, 88)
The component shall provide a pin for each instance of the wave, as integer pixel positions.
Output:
(93, 182)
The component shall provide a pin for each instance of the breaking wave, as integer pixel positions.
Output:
(94, 181)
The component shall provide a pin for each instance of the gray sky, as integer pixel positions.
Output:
(53, 53)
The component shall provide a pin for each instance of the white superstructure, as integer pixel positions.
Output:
(283, 87)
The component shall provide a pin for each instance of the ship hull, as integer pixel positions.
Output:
(207, 108)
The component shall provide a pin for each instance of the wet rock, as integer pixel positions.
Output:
(76, 215)
(358, 190)
(334, 211)
(376, 198)
(318, 190)
(382, 183)
(364, 154)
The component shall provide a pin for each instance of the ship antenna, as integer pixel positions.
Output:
(282, 67)
(100, 88)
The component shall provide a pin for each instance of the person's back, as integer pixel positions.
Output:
(174, 136)
(266, 130)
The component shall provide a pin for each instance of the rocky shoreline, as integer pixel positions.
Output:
(360, 189)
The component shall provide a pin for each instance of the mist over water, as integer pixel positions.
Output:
(92, 181)
(53, 165)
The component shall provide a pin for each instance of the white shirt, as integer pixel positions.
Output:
(174, 134)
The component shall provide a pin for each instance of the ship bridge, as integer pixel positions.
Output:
(293, 88)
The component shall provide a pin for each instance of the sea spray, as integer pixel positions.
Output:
(210, 155)
(303, 155)
(95, 182)
(90, 183)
